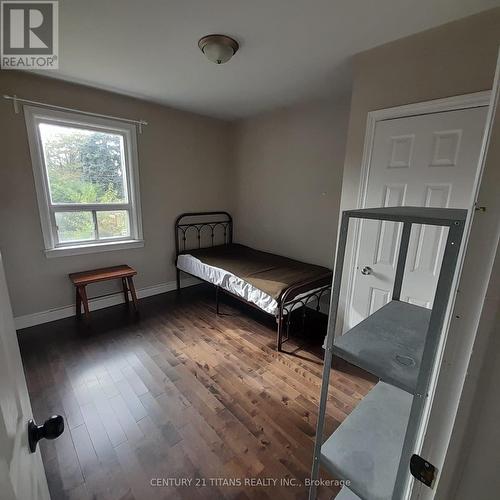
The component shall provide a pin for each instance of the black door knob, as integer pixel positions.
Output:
(51, 429)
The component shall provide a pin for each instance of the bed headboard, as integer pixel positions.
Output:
(202, 230)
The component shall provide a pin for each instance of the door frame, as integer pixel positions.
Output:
(465, 101)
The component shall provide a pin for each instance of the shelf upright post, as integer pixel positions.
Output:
(400, 268)
(330, 336)
(436, 322)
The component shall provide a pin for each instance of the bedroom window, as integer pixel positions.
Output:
(86, 179)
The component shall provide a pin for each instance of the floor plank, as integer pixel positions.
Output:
(181, 403)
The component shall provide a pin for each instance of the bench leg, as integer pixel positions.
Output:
(131, 286)
(83, 294)
(125, 290)
(78, 303)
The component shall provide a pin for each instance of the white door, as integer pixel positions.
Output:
(22, 476)
(427, 160)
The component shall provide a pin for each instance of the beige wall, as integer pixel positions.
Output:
(184, 165)
(453, 59)
(473, 458)
(289, 173)
(280, 173)
(478, 475)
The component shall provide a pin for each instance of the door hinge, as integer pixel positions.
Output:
(422, 470)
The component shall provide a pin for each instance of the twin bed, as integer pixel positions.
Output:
(272, 283)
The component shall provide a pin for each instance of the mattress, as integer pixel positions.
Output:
(257, 277)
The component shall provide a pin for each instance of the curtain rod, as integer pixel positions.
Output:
(17, 100)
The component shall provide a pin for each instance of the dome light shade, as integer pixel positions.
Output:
(218, 48)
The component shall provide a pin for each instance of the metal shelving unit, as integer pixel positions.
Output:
(398, 344)
(346, 494)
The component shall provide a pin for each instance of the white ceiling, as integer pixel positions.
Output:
(289, 49)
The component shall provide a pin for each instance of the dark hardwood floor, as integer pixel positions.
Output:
(197, 404)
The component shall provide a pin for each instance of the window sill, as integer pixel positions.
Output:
(93, 248)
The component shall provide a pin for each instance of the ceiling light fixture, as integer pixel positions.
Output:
(218, 48)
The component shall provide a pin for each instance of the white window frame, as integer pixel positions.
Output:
(36, 115)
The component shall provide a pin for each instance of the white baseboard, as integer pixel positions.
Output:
(99, 303)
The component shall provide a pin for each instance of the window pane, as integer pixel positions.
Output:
(83, 166)
(75, 226)
(113, 224)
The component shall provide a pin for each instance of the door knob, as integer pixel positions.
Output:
(51, 429)
(366, 270)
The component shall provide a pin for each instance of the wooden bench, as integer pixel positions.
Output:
(82, 279)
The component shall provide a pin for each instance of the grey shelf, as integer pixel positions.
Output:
(389, 343)
(398, 344)
(346, 494)
(414, 215)
(366, 448)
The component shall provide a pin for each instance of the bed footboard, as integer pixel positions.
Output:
(300, 296)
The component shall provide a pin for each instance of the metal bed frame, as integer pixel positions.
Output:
(289, 300)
